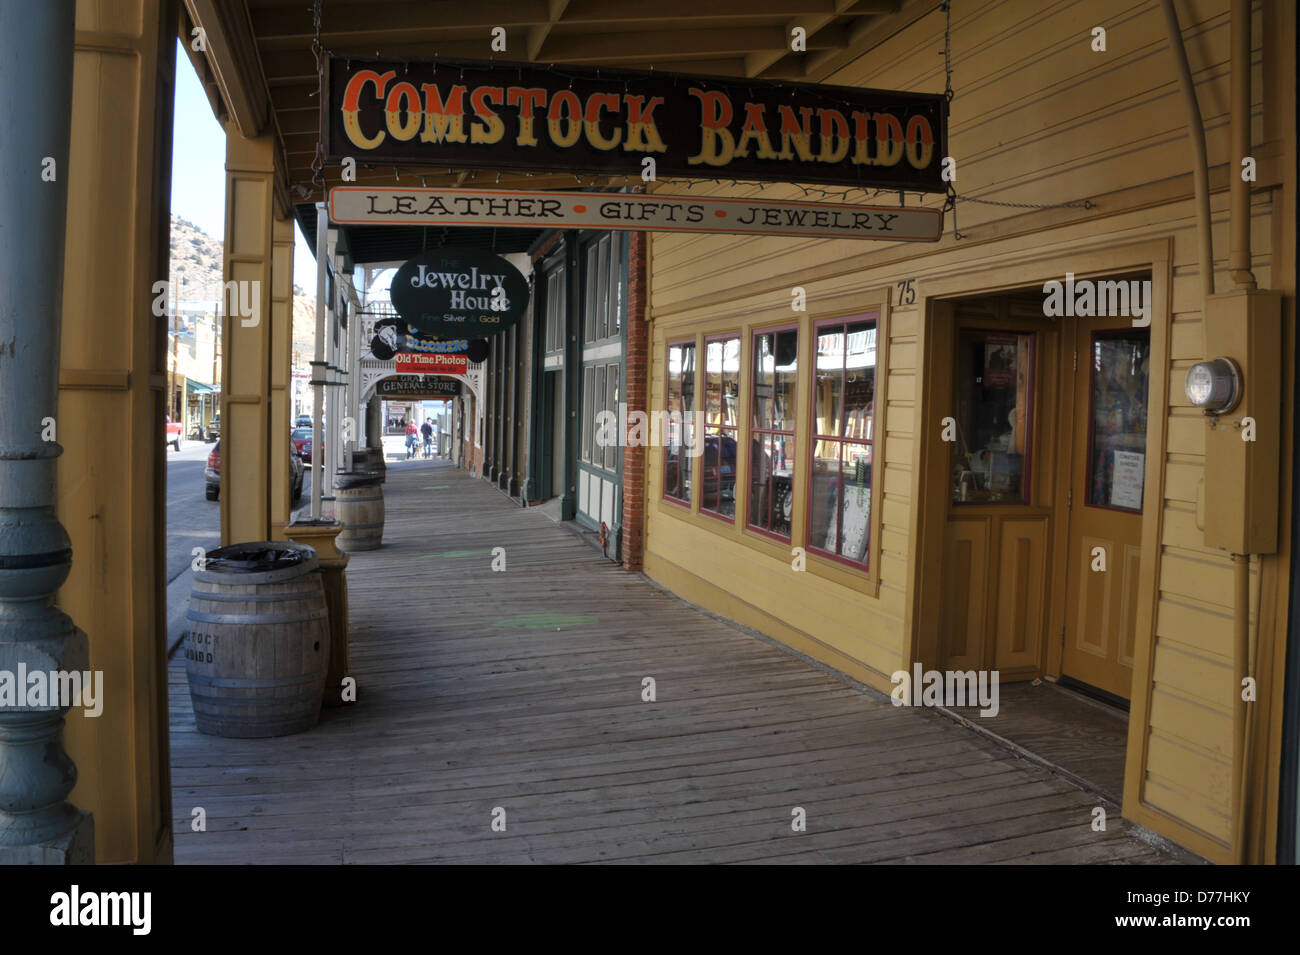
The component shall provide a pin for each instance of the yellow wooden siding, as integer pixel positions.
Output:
(1038, 117)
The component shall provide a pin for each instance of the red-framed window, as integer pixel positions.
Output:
(721, 426)
(1119, 369)
(772, 452)
(992, 448)
(843, 438)
(680, 400)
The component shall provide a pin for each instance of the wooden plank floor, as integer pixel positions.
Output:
(521, 690)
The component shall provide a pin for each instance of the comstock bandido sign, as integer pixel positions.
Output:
(459, 293)
(603, 210)
(468, 114)
(417, 386)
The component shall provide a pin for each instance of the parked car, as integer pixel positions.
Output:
(304, 421)
(212, 474)
(301, 438)
(172, 433)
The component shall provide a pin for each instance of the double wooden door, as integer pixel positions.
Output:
(1045, 479)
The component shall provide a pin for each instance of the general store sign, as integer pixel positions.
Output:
(416, 363)
(470, 114)
(417, 386)
(603, 210)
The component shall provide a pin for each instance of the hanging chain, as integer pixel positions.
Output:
(1077, 204)
(950, 204)
(946, 6)
(950, 201)
(318, 51)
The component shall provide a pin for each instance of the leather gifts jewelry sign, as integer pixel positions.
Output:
(602, 210)
(468, 114)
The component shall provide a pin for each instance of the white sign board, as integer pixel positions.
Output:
(1127, 480)
(355, 205)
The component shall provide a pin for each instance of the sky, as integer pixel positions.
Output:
(199, 169)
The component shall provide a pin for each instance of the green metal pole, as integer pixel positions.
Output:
(37, 823)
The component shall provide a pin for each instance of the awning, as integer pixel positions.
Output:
(197, 387)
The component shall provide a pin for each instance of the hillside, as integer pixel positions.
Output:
(196, 277)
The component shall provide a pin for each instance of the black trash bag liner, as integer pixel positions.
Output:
(346, 480)
(256, 557)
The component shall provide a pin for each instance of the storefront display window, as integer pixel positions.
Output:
(844, 419)
(772, 437)
(994, 424)
(605, 277)
(1120, 369)
(681, 405)
(722, 421)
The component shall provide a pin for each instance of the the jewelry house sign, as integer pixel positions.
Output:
(467, 114)
(458, 293)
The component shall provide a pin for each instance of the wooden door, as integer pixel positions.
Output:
(998, 479)
(1106, 471)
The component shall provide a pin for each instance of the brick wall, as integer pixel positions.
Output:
(637, 395)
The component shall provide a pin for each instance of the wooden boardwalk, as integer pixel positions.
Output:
(521, 691)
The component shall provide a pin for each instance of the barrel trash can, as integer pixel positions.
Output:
(359, 507)
(258, 643)
(375, 462)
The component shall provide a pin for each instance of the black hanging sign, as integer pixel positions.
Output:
(459, 293)
(384, 344)
(417, 386)
(469, 114)
(391, 336)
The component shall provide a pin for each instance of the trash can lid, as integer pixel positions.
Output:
(351, 479)
(257, 557)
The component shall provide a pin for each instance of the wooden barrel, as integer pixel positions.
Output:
(258, 642)
(375, 462)
(359, 507)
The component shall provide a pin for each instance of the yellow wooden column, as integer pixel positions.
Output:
(249, 468)
(281, 373)
(111, 401)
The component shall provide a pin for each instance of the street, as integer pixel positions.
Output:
(192, 521)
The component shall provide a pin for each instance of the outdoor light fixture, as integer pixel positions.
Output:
(1214, 386)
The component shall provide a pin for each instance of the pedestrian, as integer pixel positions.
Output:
(426, 431)
(411, 440)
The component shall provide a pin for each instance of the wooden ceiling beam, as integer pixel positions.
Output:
(760, 62)
(671, 44)
(671, 11)
(537, 35)
(357, 26)
(299, 68)
(232, 54)
(346, 24)
(866, 34)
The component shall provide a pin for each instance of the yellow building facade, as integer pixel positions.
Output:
(1040, 117)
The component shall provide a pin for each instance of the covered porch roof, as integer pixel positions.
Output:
(260, 71)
